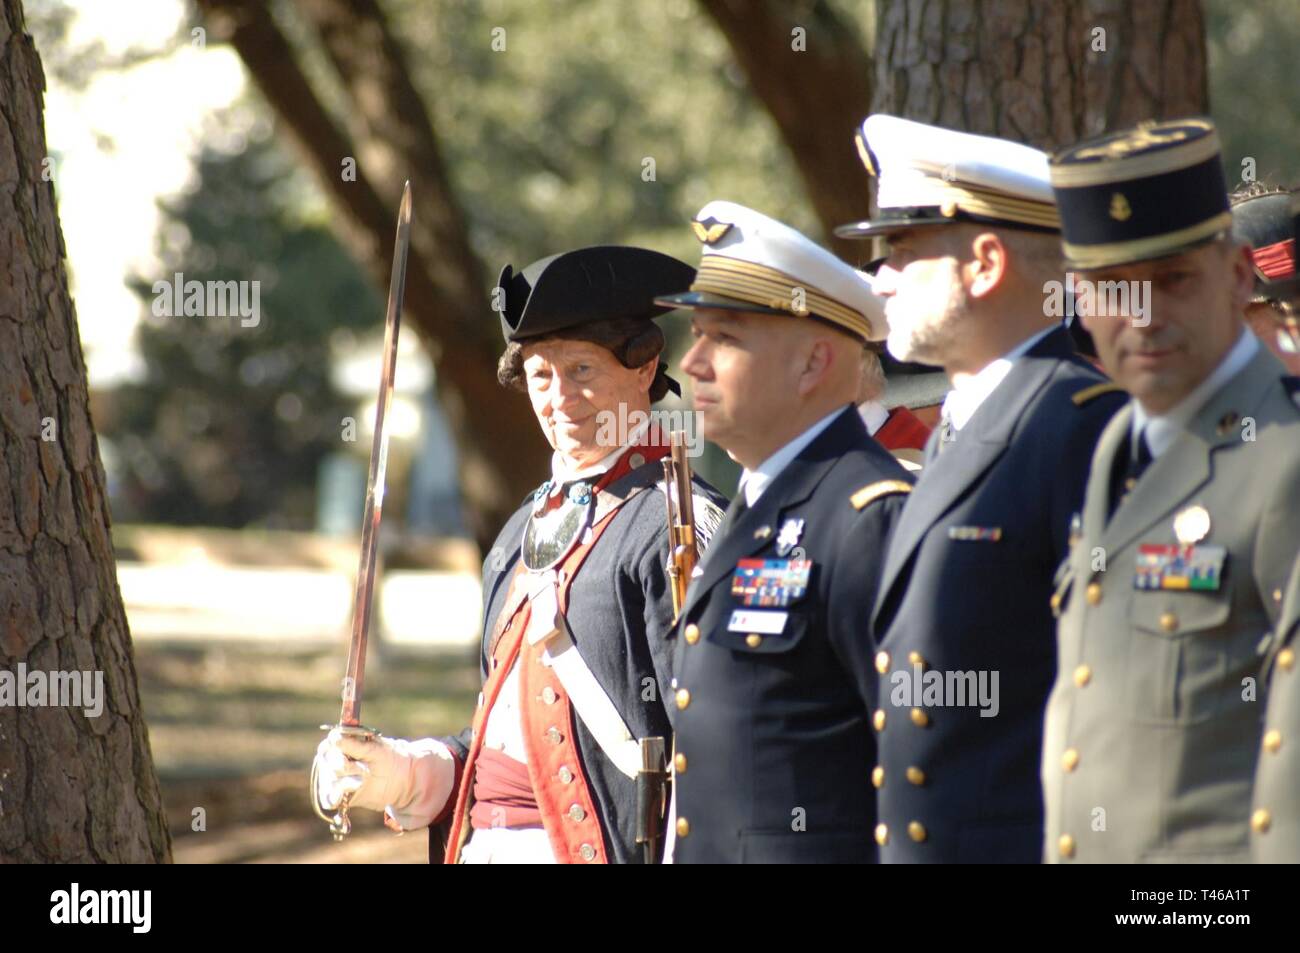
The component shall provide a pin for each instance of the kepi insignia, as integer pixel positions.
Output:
(710, 230)
(1120, 210)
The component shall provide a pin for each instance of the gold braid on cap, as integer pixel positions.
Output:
(769, 288)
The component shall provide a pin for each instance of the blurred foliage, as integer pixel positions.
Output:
(230, 423)
(1254, 58)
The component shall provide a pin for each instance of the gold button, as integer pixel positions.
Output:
(683, 698)
(1261, 821)
(683, 827)
(576, 812)
(1168, 621)
(1286, 659)
(1066, 846)
(878, 719)
(1277, 595)
(916, 658)
(1093, 593)
(882, 662)
(877, 776)
(920, 718)
(916, 775)
(916, 831)
(1070, 760)
(587, 852)
(882, 835)
(1055, 602)
(548, 695)
(1272, 741)
(753, 641)
(553, 735)
(692, 634)
(1082, 675)
(679, 763)
(565, 774)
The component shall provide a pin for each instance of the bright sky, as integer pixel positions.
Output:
(124, 142)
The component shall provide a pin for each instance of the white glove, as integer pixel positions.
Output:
(409, 781)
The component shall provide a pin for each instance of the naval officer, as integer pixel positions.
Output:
(773, 680)
(966, 635)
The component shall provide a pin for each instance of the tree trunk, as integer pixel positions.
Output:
(1047, 73)
(503, 455)
(817, 88)
(73, 787)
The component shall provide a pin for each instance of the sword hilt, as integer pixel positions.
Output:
(339, 822)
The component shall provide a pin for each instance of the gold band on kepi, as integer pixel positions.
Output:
(1140, 194)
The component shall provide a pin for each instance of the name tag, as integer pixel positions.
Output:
(770, 583)
(751, 620)
(1196, 568)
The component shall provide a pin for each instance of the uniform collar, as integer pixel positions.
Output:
(1161, 430)
(754, 482)
(968, 393)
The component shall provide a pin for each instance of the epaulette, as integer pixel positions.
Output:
(1081, 397)
(874, 491)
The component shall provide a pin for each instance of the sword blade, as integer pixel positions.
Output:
(350, 716)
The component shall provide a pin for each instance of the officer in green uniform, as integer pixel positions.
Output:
(1172, 598)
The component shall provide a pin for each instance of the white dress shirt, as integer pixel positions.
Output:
(1161, 430)
(754, 482)
(969, 392)
(873, 414)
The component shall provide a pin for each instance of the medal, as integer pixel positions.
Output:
(1192, 525)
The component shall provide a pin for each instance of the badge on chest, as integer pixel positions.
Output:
(770, 583)
(1198, 568)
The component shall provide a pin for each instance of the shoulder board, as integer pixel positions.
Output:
(1081, 397)
(874, 491)
(1292, 386)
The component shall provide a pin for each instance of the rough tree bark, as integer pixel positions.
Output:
(817, 96)
(501, 451)
(1030, 72)
(72, 788)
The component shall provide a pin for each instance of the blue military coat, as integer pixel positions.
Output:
(774, 746)
(965, 598)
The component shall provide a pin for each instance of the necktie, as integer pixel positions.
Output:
(734, 512)
(1128, 469)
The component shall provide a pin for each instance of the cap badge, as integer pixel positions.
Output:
(1120, 210)
(710, 230)
(1192, 525)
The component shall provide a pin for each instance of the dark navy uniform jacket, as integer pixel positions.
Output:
(621, 615)
(966, 590)
(774, 745)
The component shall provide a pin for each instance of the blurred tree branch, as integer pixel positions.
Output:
(817, 89)
(446, 297)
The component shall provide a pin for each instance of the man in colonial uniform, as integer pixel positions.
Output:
(578, 608)
(965, 635)
(773, 685)
(1176, 592)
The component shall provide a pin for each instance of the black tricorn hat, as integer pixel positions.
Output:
(1263, 221)
(578, 287)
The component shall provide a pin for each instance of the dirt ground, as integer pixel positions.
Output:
(233, 730)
